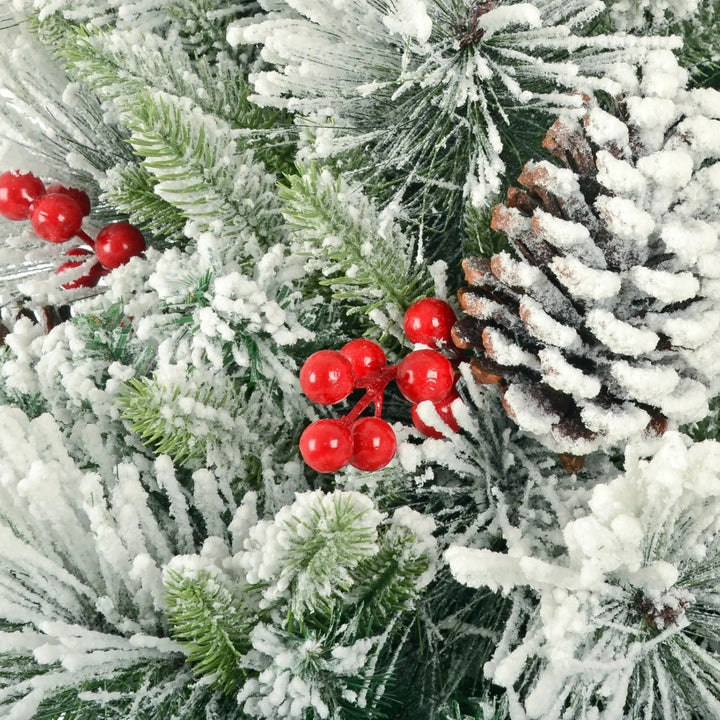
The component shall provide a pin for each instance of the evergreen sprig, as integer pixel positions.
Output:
(200, 170)
(159, 415)
(386, 583)
(325, 543)
(130, 189)
(362, 257)
(212, 624)
(146, 691)
(110, 335)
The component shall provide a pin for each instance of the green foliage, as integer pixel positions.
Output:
(118, 67)
(202, 24)
(147, 691)
(386, 583)
(32, 404)
(362, 257)
(130, 188)
(199, 170)
(191, 121)
(480, 238)
(324, 545)
(212, 624)
(455, 633)
(168, 423)
(709, 428)
(490, 709)
(701, 45)
(109, 335)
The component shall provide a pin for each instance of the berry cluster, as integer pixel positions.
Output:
(56, 214)
(329, 376)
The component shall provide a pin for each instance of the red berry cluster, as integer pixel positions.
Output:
(56, 214)
(329, 376)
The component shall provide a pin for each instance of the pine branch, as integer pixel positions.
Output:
(212, 625)
(386, 583)
(202, 24)
(361, 256)
(130, 189)
(171, 421)
(147, 691)
(194, 158)
(119, 65)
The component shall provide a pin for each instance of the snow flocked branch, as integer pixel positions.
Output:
(428, 86)
(628, 607)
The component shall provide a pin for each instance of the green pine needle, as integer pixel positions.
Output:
(366, 264)
(213, 626)
(154, 413)
(386, 583)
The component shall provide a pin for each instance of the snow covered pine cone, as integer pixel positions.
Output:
(605, 325)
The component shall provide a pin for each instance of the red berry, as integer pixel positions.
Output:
(117, 243)
(366, 357)
(17, 192)
(444, 411)
(429, 321)
(327, 377)
(374, 443)
(55, 217)
(79, 196)
(326, 445)
(425, 375)
(90, 279)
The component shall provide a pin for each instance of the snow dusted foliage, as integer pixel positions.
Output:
(297, 611)
(627, 616)
(184, 352)
(82, 602)
(640, 14)
(422, 89)
(607, 322)
(361, 253)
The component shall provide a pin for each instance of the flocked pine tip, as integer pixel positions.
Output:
(421, 90)
(628, 609)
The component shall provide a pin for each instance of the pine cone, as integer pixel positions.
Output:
(48, 316)
(605, 324)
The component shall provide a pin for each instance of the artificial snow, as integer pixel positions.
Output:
(621, 337)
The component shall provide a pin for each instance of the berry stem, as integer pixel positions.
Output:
(85, 237)
(374, 393)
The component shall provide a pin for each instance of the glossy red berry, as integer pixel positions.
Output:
(79, 196)
(327, 377)
(425, 375)
(366, 357)
(326, 445)
(374, 443)
(90, 279)
(17, 192)
(117, 243)
(55, 217)
(444, 411)
(429, 321)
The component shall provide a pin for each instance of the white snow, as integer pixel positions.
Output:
(645, 383)
(621, 337)
(504, 351)
(625, 219)
(584, 282)
(620, 176)
(410, 19)
(545, 328)
(665, 286)
(561, 375)
(606, 129)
